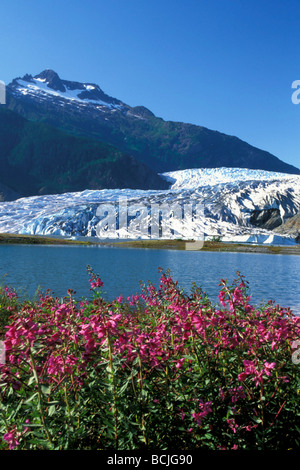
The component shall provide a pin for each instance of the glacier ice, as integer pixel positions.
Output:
(227, 196)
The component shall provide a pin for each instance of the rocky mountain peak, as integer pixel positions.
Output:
(49, 79)
(52, 79)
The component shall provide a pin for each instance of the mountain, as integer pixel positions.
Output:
(235, 204)
(8, 194)
(36, 158)
(83, 109)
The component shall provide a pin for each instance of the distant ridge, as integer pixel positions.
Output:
(36, 158)
(84, 110)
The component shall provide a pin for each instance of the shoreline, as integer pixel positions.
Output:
(219, 246)
(16, 239)
(209, 246)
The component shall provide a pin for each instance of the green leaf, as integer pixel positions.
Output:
(46, 389)
(31, 398)
(31, 380)
(124, 386)
(43, 442)
(33, 425)
(51, 410)
(36, 347)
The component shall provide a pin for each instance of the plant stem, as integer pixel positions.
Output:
(114, 389)
(40, 398)
(141, 398)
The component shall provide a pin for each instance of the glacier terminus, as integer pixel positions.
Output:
(238, 205)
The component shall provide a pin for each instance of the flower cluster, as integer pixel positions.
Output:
(163, 368)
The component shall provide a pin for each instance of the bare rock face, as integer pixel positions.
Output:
(53, 80)
(267, 218)
(291, 227)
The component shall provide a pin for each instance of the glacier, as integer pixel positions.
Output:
(226, 199)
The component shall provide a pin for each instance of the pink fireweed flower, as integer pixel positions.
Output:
(232, 425)
(257, 375)
(268, 367)
(222, 296)
(166, 281)
(179, 363)
(58, 365)
(10, 293)
(205, 409)
(16, 334)
(96, 283)
(250, 426)
(11, 438)
(249, 370)
(134, 299)
(237, 296)
(237, 393)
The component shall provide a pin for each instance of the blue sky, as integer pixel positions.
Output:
(224, 64)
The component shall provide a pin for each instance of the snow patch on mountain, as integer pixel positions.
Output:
(39, 87)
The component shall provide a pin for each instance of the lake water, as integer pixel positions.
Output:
(59, 268)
